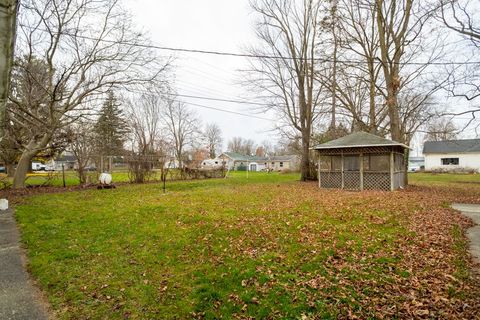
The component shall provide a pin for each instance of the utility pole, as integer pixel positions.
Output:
(8, 17)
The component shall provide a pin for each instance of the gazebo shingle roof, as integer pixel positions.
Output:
(358, 140)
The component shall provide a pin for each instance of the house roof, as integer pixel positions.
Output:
(282, 158)
(242, 157)
(452, 146)
(357, 140)
(416, 159)
(66, 158)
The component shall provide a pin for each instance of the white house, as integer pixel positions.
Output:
(452, 155)
(283, 163)
(241, 162)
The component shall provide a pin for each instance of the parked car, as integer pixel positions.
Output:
(3, 170)
(38, 166)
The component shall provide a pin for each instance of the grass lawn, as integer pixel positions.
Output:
(55, 178)
(443, 178)
(266, 246)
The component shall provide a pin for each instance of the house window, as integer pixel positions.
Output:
(273, 163)
(450, 161)
(281, 164)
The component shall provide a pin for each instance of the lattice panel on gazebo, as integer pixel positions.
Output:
(331, 179)
(376, 180)
(351, 180)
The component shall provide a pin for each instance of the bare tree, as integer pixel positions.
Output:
(441, 129)
(461, 16)
(356, 85)
(182, 126)
(268, 147)
(8, 15)
(148, 147)
(11, 144)
(400, 25)
(235, 145)
(242, 146)
(82, 147)
(462, 19)
(85, 48)
(288, 30)
(213, 137)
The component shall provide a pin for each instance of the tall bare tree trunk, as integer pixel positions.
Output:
(305, 160)
(10, 169)
(333, 123)
(25, 161)
(23, 167)
(8, 14)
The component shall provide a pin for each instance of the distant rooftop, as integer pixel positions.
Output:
(282, 158)
(242, 157)
(452, 146)
(358, 140)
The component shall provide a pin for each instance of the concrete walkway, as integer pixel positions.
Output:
(18, 297)
(472, 211)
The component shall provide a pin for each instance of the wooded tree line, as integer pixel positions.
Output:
(328, 67)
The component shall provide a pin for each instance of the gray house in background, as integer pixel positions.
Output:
(452, 155)
(65, 160)
(237, 161)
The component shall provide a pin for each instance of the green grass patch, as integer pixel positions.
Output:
(261, 246)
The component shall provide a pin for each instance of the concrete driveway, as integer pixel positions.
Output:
(472, 211)
(19, 299)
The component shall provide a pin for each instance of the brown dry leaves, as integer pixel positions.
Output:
(425, 275)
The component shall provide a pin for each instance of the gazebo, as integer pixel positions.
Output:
(361, 161)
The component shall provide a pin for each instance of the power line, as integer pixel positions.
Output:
(221, 100)
(247, 55)
(213, 108)
(229, 111)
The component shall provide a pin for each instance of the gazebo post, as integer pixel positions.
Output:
(319, 178)
(343, 175)
(392, 167)
(361, 170)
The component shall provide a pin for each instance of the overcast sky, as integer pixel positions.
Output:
(213, 25)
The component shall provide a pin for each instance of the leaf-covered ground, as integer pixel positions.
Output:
(266, 247)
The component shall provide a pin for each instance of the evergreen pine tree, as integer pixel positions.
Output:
(111, 128)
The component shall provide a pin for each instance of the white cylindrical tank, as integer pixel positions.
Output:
(105, 178)
(3, 204)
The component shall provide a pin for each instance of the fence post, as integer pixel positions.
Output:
(63, 174)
